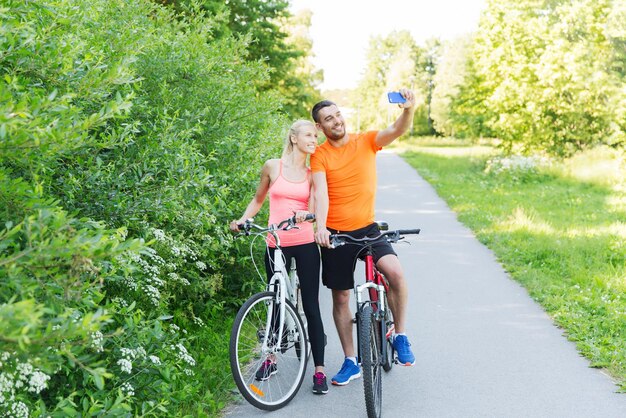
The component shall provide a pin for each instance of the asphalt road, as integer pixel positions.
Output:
(484, 348)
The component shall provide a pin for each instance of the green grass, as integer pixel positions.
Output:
(560, 230)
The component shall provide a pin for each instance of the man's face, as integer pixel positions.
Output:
(331, 122)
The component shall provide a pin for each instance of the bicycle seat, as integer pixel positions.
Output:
(382, 225)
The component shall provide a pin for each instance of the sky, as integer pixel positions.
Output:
(341, 29)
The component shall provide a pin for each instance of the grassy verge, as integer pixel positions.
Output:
(559, 228)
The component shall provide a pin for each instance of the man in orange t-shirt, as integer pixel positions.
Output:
(344, 178)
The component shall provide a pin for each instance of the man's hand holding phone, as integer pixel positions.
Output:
(404, 98)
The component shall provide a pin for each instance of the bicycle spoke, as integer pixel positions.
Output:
(249, 334)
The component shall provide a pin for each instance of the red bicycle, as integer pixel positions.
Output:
(373, 316)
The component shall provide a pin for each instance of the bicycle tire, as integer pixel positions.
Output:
(386, 329)
(246, 355)
(370, 349)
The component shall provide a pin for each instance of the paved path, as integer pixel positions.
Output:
(484, 348)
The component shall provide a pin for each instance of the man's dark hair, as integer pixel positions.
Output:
(319, 106)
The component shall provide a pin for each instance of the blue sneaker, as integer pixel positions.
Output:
(403, 347)
(348, 371)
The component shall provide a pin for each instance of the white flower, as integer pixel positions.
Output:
(128, 353)
(131, 354)
(183, 354)
(141, 353)
(128, 389)
(19, 410)
(200, 265)
(97, 339)
(38, 382)
(155, 360)
(159, 234)
(152, 293)
(24, 370)
(125, 365)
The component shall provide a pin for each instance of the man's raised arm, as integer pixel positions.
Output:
(402, 124)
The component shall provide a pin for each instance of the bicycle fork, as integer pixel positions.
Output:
(275, 320)
(378, 308)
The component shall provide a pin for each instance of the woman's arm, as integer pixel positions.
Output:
(259, 197)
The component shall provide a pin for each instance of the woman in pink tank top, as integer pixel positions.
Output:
(288, 182)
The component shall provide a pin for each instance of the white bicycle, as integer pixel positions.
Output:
(271, 326)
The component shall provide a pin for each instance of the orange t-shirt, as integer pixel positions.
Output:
(351, 178)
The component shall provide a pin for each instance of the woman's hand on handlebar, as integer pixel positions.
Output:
(303, 215)
(234, 225)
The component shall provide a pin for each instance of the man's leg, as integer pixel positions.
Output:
(343, 320)
(390, 266)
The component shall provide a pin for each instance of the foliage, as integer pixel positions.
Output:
(273, 37)
(517, 167)
(561, 235)
(452, 72)
(545, 75)
(469, 117)
(391, 64)
(127, 140)
(395, 61)
(299, 89)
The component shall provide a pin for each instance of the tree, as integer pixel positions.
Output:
(426, 69)
(543, 67)
(299, 88)
(391, 63)
(273, 37)
(451, 73)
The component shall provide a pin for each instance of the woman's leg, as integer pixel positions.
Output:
(307, 258)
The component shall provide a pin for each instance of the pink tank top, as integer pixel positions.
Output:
(286, 197)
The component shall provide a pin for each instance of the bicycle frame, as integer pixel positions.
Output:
(373, 316)
(269, 327)
(375, 284)
(285, 286)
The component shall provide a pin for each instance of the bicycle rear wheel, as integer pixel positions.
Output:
(247, 354)
(370, 348)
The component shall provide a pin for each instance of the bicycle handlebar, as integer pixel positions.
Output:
(337, 240)
(284, 225)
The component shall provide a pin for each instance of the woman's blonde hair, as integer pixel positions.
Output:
(293, 131)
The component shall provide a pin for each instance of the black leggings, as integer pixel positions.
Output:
(307, 258)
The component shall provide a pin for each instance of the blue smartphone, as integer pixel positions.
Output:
(395, 97)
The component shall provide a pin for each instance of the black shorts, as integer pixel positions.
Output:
(338, 264)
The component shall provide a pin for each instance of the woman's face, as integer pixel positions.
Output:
(306, 139)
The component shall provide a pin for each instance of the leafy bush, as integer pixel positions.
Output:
(127, 142)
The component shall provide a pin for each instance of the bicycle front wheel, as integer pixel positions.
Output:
(386, 329)
(370, 341)
(252, 343)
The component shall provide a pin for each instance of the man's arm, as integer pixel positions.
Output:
(321, 208)
(402, 124)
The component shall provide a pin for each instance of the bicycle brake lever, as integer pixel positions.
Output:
(334, 244)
